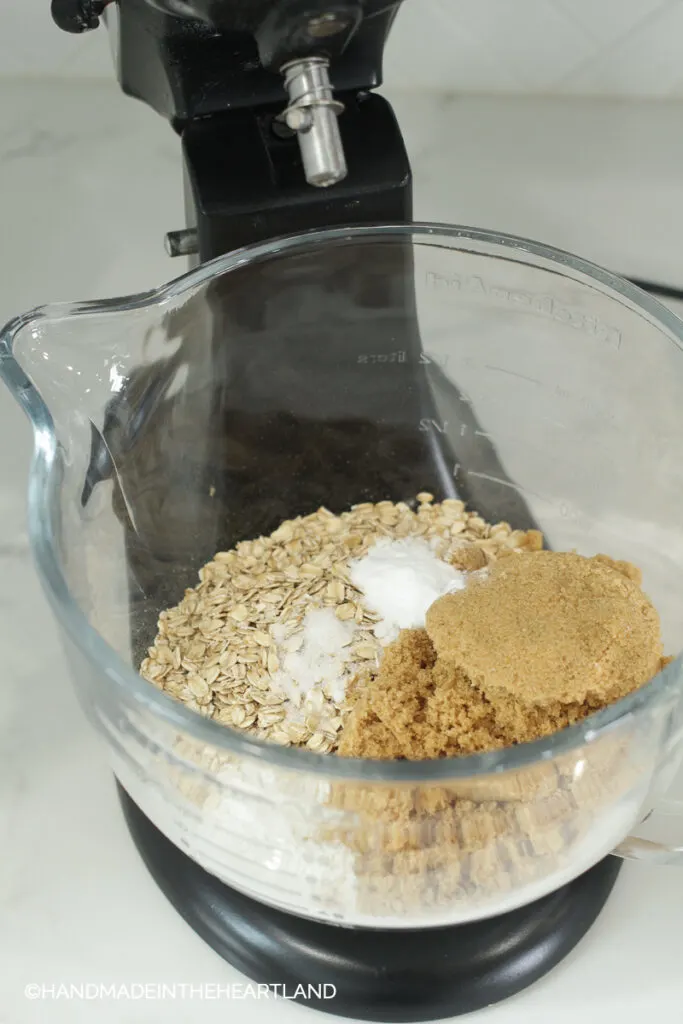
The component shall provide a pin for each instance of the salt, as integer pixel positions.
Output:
(318, 661)
(400, 580)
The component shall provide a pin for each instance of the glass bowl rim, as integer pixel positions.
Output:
(105, 660)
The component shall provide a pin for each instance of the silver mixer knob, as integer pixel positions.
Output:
(312, 113)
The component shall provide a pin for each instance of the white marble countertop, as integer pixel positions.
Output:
(89, 183)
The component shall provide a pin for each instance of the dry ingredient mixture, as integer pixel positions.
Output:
(398, 632)
(281, 629)
(392, 631)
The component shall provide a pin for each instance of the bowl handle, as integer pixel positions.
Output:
(634, 847)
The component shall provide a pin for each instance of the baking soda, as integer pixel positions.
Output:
(400, 580)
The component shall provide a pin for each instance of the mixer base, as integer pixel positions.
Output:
(377, 975)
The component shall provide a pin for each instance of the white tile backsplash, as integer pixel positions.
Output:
(606, 20)
(534, 40)
(564, 47)
(647, 61)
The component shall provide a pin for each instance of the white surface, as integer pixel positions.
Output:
(89, 181)
(590, 47)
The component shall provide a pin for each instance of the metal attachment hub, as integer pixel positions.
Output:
(312, 113)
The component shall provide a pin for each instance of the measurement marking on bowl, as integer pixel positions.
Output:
(427, 425)
(380, 358)
(552, 422)
(599, 411)
(512, 373)
(524, 491)
(543, 304)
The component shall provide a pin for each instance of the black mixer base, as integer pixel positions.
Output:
(377, 975)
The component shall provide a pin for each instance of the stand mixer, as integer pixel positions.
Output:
(281, 133)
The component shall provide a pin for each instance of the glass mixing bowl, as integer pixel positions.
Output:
(329, 369)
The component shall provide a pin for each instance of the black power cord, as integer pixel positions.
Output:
(664, 291)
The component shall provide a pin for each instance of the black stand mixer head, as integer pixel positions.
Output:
(280, 133)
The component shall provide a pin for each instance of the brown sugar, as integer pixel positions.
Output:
(441, 692)
(468, 558)
(366, 735)
(417, 708)
(534, 644)
(549, 629)
(428, 710)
